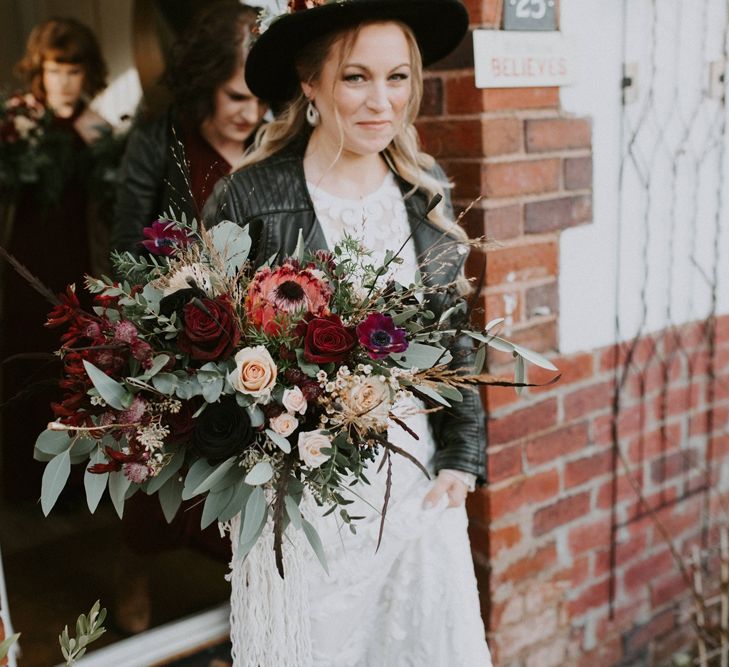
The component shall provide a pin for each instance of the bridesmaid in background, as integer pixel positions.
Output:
(171, 165)
(63, 69)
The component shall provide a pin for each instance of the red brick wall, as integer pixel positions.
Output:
(541, 530)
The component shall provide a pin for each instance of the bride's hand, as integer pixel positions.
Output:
(446, 482)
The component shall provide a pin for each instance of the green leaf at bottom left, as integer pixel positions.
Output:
(54, 479)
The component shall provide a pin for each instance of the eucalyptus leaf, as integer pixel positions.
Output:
(81, 449)
(256, 416)
(152, 296)
(260, 473)
(54, 479)
(450, 393)
(175, 463)
(165, 383)
(315, 542)
(305, 366)
(233, 243)
(494, 322)
(109, 389)
(479, 360)
(215, 503)
(158, 363)
(170, 498)
(199, 471)
(214, 477)
(279, 440)
(118, 486)
(404, 316)
(432, 393)
(245, 547)
(253, 519)
(519, 374)
(293, 512)
(419, 355)
(53, 442)
(535, 358)
(238, 501)
(95, 484)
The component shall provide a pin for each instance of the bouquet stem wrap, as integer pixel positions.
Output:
(269, 616)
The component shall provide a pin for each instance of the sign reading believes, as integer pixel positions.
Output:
(506, 59)
(529, 15)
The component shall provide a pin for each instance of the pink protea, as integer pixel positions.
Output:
(275, 294)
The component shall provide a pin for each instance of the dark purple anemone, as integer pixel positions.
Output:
(380, 337)
(164, 238)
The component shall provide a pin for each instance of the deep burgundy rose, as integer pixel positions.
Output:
(181, 423)
(327, 340)
(222, 430)
(210, 330)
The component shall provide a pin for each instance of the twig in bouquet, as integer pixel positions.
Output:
(404, 426)
(475, 295)
(386, 499)
(30, 278)
(279, 512)
(431, 205)
(398, 450)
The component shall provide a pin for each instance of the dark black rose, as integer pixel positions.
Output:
(175, 302)
(222, 430)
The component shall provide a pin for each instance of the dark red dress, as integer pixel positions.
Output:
(53, 242)
(146, 531)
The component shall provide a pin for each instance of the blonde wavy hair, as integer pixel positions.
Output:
(404, 155)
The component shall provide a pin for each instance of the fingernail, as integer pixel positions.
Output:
(427, 505)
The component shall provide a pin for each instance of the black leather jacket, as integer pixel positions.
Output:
(153, 179)
(272, 198)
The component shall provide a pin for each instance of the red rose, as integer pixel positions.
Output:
(210, 330)
(327, 340)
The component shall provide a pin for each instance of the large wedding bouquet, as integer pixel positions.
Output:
(201, 375)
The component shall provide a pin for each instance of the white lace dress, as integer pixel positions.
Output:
(414, 603)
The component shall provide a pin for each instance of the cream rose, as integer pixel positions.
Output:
(294, 400)
(369, 399)
(285, 424)
(310, 445)
(255, 372)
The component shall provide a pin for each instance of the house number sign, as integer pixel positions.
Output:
(529, 15)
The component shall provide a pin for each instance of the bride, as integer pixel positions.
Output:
(343, 157)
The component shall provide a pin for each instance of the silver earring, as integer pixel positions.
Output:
(312, 114)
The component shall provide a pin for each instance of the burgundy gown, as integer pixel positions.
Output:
(146, 531)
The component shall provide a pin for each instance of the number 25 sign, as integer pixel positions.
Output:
(529, 15)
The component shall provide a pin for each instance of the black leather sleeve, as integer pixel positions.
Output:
(460, 430)
(140, 185)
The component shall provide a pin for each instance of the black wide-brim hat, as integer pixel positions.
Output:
(438, 26)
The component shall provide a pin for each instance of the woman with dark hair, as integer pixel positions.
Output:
(343, 159)
(63, 69)
(172, 163)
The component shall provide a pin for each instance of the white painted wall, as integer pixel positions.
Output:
(604, 266)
